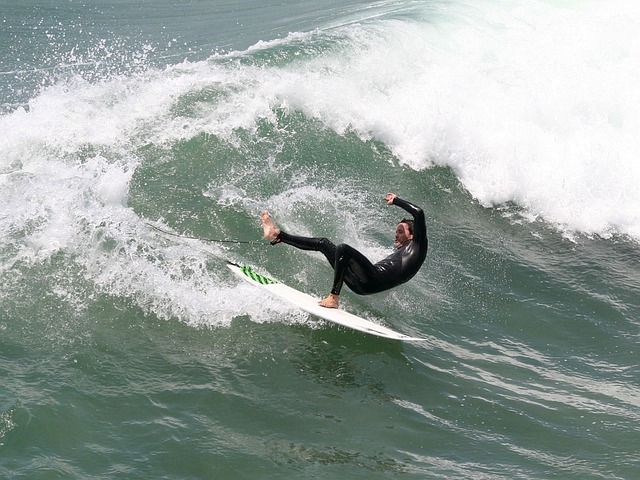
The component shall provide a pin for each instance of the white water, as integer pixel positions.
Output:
(528, 102)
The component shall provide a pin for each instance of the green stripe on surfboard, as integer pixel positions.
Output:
(256, 277)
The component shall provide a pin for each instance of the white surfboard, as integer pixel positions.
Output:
(310, 305)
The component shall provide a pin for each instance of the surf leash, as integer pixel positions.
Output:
(212, 240)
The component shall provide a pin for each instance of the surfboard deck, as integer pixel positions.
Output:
(310, 305)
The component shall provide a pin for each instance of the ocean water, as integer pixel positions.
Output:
(129, 353)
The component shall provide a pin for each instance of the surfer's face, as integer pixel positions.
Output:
(402, 235)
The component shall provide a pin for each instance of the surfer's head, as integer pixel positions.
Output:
(409, 224)
(404, 233)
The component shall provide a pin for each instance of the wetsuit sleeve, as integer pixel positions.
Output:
(419, 222)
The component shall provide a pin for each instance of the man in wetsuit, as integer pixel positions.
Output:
(352, 267)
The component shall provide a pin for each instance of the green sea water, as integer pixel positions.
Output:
(129, 353)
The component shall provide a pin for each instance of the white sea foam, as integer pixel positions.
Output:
(66, 168)
(531, 104)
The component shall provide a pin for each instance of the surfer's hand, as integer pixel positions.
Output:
(390, 198)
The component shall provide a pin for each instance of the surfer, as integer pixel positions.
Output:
(352, 267)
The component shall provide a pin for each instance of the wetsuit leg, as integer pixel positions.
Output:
(315, 244)
(350, 266)
(353, 268)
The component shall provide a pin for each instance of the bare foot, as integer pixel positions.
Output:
(271, 232)
(331, 301)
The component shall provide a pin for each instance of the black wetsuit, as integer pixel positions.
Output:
(354, 269)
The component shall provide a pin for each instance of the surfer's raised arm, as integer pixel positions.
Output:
(352, 267)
